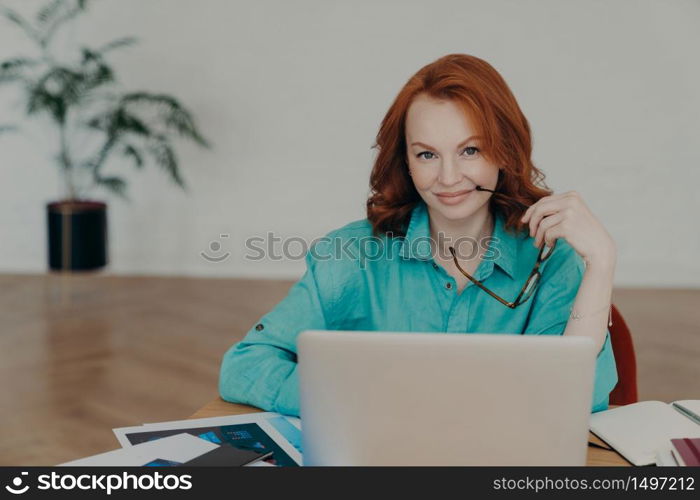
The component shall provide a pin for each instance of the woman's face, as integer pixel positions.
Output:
(445, 160)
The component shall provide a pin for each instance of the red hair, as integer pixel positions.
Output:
(482, 92)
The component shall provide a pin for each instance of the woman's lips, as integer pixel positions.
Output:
(453, 198)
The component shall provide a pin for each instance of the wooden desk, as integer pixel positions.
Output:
(596, 456)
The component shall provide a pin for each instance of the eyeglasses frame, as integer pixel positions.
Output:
(534, 274)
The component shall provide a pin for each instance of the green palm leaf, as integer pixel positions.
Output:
(133, 153)
(57, 14)
(55, 92)
(137, 126)
(116, 185)
(47, 13)
(96, 72)
(168, 111)
(165, 157)
(119, 121)
(18, 20)
(117, 44)
(13, 69)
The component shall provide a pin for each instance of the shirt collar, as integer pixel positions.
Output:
(416, 244)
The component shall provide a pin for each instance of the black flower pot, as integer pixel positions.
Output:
(77, 235)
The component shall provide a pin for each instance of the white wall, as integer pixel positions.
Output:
(291, 95)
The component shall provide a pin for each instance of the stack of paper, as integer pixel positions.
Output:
(257, 439)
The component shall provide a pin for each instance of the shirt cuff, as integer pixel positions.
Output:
(287, 400)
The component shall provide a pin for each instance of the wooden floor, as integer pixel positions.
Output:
(81, 354)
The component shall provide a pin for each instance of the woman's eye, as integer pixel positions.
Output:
(420, 155)
(471, 151)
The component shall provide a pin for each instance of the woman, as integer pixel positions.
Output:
(453, 167)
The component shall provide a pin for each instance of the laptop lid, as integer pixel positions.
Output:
(385, 398)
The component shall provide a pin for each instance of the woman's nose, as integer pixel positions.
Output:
(449, 173)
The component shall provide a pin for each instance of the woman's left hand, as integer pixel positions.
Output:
(567, 216)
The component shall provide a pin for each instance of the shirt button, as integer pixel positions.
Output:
(448, 285)
(259, 326)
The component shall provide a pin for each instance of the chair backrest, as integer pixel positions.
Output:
(625, 392)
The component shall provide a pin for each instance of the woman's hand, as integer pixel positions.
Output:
(567, 216)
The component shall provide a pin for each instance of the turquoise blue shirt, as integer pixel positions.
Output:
(356, 281)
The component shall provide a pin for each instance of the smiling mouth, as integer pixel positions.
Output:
(454, 195)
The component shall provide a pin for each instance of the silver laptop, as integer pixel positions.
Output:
(384, 398)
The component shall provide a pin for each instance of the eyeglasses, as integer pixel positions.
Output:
(533, 279)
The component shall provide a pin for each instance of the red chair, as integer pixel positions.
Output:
(625, 392)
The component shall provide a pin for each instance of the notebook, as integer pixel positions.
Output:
(686, 451)
(638, 430)
(228, 455)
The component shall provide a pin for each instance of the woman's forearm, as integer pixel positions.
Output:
(567, 216)
(591, 307)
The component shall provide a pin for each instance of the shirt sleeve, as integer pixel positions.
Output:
(562, 274)
(261, 370)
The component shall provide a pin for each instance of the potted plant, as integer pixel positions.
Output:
(81, 97)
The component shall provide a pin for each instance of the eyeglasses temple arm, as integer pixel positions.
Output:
(477, 282)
